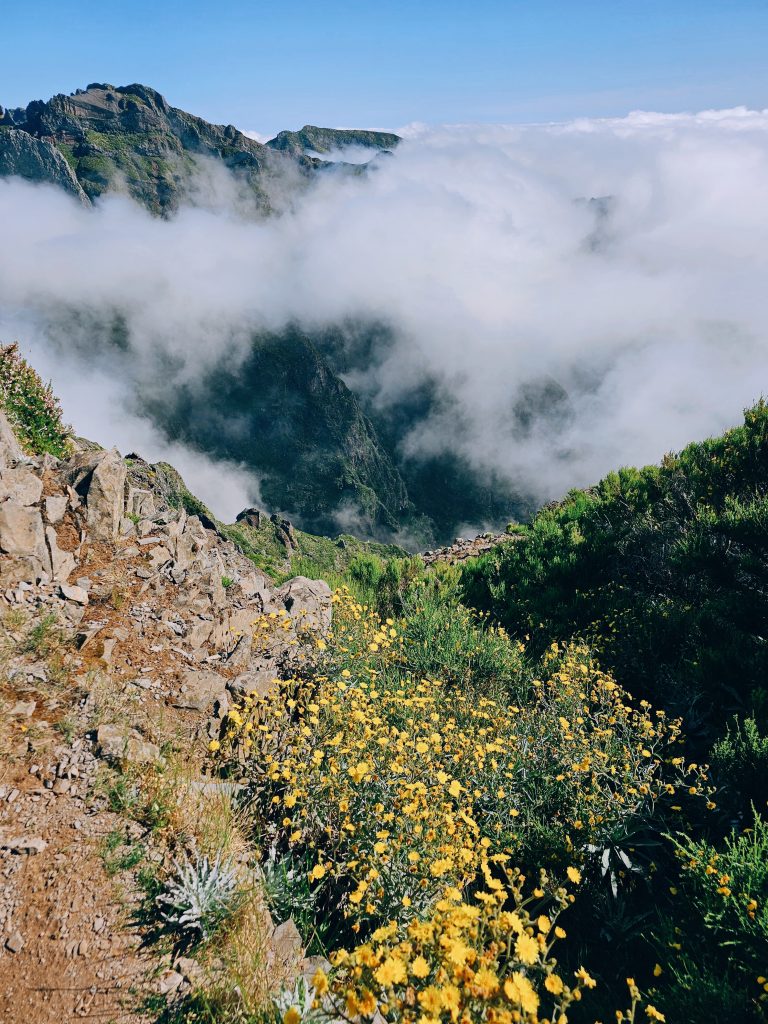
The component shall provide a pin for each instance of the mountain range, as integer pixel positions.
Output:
(106, 137)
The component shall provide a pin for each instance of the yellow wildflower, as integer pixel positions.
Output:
(553, 983)
(527, 948)
(518, 989)
(420, 967)
(391, 972)
(320, 982)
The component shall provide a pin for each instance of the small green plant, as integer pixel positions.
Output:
(740, 763)
(14, 618)
(118, 853)
(67, 726)
(45, 637)
(287, 889)
(31, 406)
(198, 897)
(122, 794)
(226, 582)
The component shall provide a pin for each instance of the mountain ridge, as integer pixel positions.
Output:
(130, 137)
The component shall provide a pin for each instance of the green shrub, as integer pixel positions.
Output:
(365, 572)
(663, 569)
(740, 766)
(393, 778)
(716, 956)
(32, 408)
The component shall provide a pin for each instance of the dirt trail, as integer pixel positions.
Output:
(80, 955)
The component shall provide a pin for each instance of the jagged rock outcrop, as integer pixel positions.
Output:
(23, 551)
(468, 547)
(130, 137)
(120, 743)
(308, 602)
(25, 156)
(192, 597)
(100, 477)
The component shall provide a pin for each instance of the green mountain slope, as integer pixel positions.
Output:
(286, 416)
(310, 139)
(664, 568)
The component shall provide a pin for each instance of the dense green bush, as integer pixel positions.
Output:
(664, 569)
(740, 766)
(31, 407)
(715, 956)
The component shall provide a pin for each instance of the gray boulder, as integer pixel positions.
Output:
(20, 485)
(10, 449)
(77, 594)
(62, 562)
(308, 602)
(200, 688)
(99, 476)
(55, 507)
(119, 743)
(22, 541)
(141, 502)
(286, 945)
(258, 682)
(30, 845)
(105, 496)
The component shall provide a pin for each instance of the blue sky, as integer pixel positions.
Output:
(267, 65)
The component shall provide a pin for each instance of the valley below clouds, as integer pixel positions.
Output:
(575, 296)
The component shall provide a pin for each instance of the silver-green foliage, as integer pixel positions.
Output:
(300, 998)
(199, 895)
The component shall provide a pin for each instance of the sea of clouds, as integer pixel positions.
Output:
(478, 245)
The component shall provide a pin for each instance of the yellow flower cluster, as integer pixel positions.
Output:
(402, 784)
(469, 960)
(402, 794)
(265, 627)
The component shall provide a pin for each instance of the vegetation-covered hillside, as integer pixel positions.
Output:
(32, 408)
(664, 569)
(287, 416)
(408, 811)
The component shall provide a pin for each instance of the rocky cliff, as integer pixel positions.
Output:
(25, 156)
(127, 629)
(287, 416)
(130, 138)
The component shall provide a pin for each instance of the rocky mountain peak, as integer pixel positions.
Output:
(105, 138)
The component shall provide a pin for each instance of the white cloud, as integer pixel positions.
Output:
(473, 243)
(256, 136)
